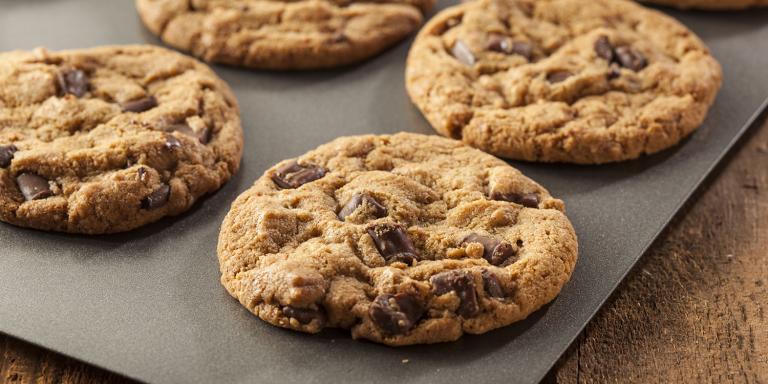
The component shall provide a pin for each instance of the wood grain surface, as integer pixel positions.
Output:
(692, 311)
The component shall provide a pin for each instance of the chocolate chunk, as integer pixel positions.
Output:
(558, 76)
(294, 175)
(523, 48)
(495, 251)
(501, 44)
(171, 142)
(530, 200)
(603, 48)
(393, 243)
(492, 284)
(158, 198)
(74, 82)
(462, 283)
(142, 174)
(33, 187)
(6, 155)
(205, 135)
(614, 72)
(463, 54)
(140, 105)
(630, 58)
(303, 315)
(361, 199)
(396, 314)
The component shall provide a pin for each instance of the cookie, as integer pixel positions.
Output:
(108, 139)
(300, 34)
(404, 239)
(711, 4)
(561, 80)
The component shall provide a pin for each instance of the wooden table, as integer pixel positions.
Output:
(694, 310)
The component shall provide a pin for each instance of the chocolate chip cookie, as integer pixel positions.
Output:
(108, 139)
(283, 34)
(403, 239)
(711, 4)
(561, 80)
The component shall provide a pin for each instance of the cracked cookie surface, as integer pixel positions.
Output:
(403, 239)
(711, 4)
(108, 139)
(268, 34)
(561, 80)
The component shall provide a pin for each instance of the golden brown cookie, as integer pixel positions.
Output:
(285, 34)
(108, 139)
(561, 80)
(403, 239)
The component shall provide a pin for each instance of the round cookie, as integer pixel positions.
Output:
(561, 80)
(711, 4)
(403, 239)
(108, 139)
(283, 34)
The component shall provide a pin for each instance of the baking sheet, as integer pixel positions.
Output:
(148, 304)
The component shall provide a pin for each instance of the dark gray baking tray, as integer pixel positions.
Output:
(148, 304)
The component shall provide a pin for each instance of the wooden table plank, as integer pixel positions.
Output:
(692, 311)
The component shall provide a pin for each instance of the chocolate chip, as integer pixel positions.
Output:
(396, 314)
(603, 48)
(501, 44)
(495, 251)
(142, 174)
(393, 243)
(523, 48)
(462, 283)
(558, 76)
(492, 285)
(530, 200)
(303, 315)
(6, 155)
(33, 187)
(463, 54)
(171, 142)
(74, 82)
(630, 58)
(204, 135)
(140, 105)
(614, 72)
(158, 198)
(294, 175)
(361, 199)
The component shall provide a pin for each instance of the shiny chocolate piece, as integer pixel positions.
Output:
(6, 155)
(396, 314)
(158, 198)
(494, 251)
(294, 175)
(140, 105)
(33, 187)
(393, 243)
(461, 283)
(74, 82)
(359, 200)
